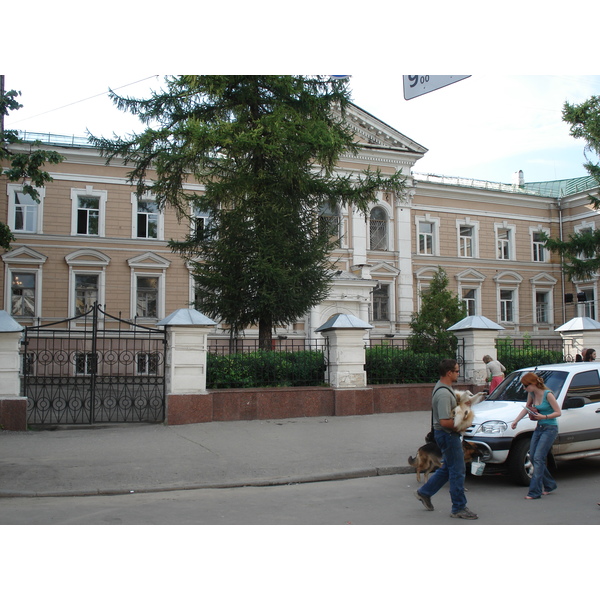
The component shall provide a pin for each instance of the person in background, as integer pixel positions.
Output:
(590, 355)
(495, 371)
(543, 408)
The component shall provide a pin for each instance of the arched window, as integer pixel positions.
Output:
(378, 229)
(330, 221)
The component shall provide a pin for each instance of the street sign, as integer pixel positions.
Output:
(417, 85)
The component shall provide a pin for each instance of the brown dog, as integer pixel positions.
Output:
(429, 457)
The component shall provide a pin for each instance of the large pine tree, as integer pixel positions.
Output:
(265, 148)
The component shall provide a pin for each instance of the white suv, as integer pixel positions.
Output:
(577, 390)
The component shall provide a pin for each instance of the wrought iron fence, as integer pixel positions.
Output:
(519, 353)
(291, 362)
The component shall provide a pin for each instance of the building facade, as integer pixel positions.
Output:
(92, 239)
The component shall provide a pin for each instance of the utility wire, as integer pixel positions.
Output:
(79, 101)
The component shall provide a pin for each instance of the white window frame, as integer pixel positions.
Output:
(12, 189)
(387, 286)
(587, 308)
(386, 222)
(73, 289)
(474, 225)
(538, 248)
(160, 225)
(510, 243)
(89, 191)
(580, 229)
(160, 294)
(514, 305)
(37, 292)
(435, 237)
(474, 301)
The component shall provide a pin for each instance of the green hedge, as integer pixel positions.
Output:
(264, 368)
(389, 365)
(518, 358)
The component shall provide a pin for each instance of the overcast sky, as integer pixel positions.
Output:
(484, 127)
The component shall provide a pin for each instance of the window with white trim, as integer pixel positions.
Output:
(147, 363)
(503, 244)
(88, 208)
(148, 220)
(542, 306)
(588, 306)
(381, 303)
(469, 298)
(24, 213)
(426, 238)
(87, 286)
(23, 293)
(378, 229)
(537, 247)
(507, 306)
(466, 241)
(147, 296)
(330, 221)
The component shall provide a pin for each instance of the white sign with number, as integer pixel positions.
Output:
(417, 85)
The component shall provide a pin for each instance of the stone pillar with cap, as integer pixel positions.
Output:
(185, 368)
(13, 406)
(579, 333)
(346, 367)
(477, 335)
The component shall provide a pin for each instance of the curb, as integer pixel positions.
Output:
(340, 476)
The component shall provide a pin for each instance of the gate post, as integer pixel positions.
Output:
(478, 335)
(346, 365)
(13, 406)
(185, 369)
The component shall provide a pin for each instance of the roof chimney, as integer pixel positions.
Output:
(518, 179)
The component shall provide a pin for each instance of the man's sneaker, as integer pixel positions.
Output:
(426, 500)
(465, 513)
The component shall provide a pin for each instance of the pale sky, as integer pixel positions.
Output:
(484, 127)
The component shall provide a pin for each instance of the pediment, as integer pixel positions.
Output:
(24, 254)
(384, 269)
(470, 275)
(543, 279)
(369, 130)
(508, 277)
(149, 260)
(87, 257)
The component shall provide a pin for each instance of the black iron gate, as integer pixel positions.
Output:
(94, 368)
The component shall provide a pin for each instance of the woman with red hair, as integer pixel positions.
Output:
(543, 408)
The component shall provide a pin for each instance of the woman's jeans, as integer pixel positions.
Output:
(452, 470)
(541, 441)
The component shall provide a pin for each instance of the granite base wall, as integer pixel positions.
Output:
(13, 414)
(289, 403)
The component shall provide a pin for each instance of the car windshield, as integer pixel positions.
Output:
(512, 389)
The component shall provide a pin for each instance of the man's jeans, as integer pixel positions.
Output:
(541, 441)
(452, 470)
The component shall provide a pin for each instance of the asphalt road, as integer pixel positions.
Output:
(384, 500)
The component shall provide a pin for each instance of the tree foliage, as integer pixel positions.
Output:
(265, 149)
(440, 309)
(24, 167)
(581, 252)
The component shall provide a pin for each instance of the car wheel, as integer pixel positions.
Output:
(520, 467)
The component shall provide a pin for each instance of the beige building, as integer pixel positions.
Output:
(92, 239)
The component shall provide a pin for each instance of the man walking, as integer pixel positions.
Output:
(453, 468)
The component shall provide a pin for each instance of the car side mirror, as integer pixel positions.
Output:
(573, 402)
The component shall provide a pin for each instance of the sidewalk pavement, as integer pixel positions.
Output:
(135, 458)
